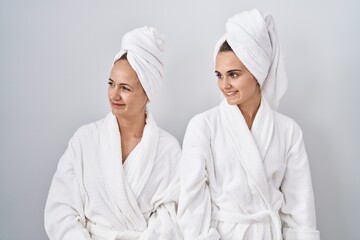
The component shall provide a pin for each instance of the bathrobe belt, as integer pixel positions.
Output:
(102, 232)
(264, 216)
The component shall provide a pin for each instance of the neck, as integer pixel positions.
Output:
(250, 108)
(132, 127)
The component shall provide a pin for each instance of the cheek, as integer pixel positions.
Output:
(246, 83)
(252, 84)
(141, 100)
(219, 84)
(136, 101)
(240, 85)
(125, 97)
(110, 92)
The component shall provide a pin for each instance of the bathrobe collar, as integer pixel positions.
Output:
(245, 146)
(124, 193)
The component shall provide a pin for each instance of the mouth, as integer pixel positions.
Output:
(230, 93)
(117, 105)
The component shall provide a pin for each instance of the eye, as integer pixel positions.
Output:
(218, 75)
(110, 83)
(233, 75)
(126, 89)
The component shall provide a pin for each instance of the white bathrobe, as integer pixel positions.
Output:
(242, 184)
(94, 196)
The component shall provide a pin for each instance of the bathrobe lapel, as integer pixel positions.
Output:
(245, 148)
(263, 128)
(139, 164)
(123, 194)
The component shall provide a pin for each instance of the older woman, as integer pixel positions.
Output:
(245, 172)
(116, 178)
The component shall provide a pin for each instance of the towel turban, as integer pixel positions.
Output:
(144, 47)
(253, 38)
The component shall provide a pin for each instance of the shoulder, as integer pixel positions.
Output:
(290, 129)
(205, 119)
(199, 130)
(168, 150)
(79, 143)
(89, 131)
(285, 122)
(166, 140)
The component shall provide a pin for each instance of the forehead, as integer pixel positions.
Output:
(226, 61)
(122, 72)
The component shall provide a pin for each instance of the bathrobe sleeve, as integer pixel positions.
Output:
(194, 212)
(298, 212)
(64, 218)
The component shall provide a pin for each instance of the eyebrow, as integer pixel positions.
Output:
(232, 70)
(121, 84)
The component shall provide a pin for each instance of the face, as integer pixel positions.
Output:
(126, 95)
(235, 81)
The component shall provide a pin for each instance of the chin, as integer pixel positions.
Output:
(232, 102)
(117, 112)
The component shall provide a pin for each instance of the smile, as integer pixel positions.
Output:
(117, 105)
(231, 94)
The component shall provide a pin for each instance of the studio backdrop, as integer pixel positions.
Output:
(55, 60)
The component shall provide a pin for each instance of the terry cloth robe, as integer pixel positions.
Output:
(94, 196)
(242, 184)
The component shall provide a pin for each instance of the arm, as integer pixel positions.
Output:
(64, 218)
(298, 212)
(194, 211)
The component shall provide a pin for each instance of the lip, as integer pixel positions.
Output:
(230, 93)
(117, 105)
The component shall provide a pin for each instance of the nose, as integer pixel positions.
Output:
(115, 93)
(226, 83)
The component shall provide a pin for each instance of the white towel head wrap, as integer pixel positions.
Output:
(144, 47)
(253, 38)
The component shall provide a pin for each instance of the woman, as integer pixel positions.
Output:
(116, 179)
(244, 169)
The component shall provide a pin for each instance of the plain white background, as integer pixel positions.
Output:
(55, 58)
